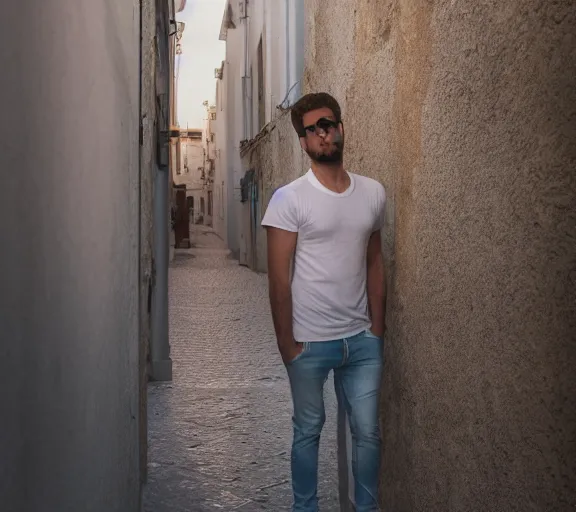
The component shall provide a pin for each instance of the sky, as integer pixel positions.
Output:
(202, 53)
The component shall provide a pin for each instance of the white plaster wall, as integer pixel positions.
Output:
(210, 154)
(296, 44)
(275, 49)
(281, 25)
(193, 151)
(256, 30)
(220, 175)
(69, 218)
(192, 148)
(233, 112)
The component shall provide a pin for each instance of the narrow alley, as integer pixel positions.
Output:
(220, 433)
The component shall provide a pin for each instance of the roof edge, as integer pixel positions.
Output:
(180, 5)
(226, 22)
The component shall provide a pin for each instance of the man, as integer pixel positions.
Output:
(327, 295)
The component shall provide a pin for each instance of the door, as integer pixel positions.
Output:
(182, 220)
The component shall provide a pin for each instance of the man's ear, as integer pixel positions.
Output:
(341, 128)
(303, 144)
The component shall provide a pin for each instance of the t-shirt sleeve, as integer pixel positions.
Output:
(380, 215)
(282, 211)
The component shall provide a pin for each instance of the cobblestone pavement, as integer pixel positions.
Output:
(220, 433)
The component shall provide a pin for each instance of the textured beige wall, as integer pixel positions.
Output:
(465, 111)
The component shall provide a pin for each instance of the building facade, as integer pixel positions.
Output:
(260, 77)
(76, 322)
(209, 144)
(180, 229)
(196, 168)
(69, 322)
(465, 115)
(189, 171)
(221, 178)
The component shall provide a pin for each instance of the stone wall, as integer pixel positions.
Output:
(465, 112)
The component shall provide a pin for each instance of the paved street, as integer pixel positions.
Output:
(220, 433)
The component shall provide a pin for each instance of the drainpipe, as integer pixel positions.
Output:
(288, 39)
(299, 33)
(161, 364)
(247, 80)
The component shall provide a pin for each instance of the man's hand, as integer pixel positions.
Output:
(290, 351)
(376, 285)
(378, 331)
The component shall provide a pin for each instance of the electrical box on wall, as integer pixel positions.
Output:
(162, 152)
(163, 147)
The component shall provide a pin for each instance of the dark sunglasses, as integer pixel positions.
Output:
(323, 124)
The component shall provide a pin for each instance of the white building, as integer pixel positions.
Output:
(262, 71)
(208, 141)
(189, 171)
(220, 179)
(216, 126)
(214, 181)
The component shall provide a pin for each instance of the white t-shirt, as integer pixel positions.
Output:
(329, 299)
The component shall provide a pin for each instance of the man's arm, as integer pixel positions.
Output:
(376, 284)
(281, 247)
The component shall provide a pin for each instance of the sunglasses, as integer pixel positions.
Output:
(323, 124)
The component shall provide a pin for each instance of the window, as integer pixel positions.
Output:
(212, 116)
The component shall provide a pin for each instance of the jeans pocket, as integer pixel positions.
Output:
(305, 346)
(370, 334)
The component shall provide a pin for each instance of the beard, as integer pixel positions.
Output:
(335, 156)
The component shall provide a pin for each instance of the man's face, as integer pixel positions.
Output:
(324, 138)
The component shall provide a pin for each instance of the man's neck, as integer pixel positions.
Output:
(333, 177)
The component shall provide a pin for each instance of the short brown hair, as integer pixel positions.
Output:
(311, 102)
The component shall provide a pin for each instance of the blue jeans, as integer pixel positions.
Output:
(357, 364)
